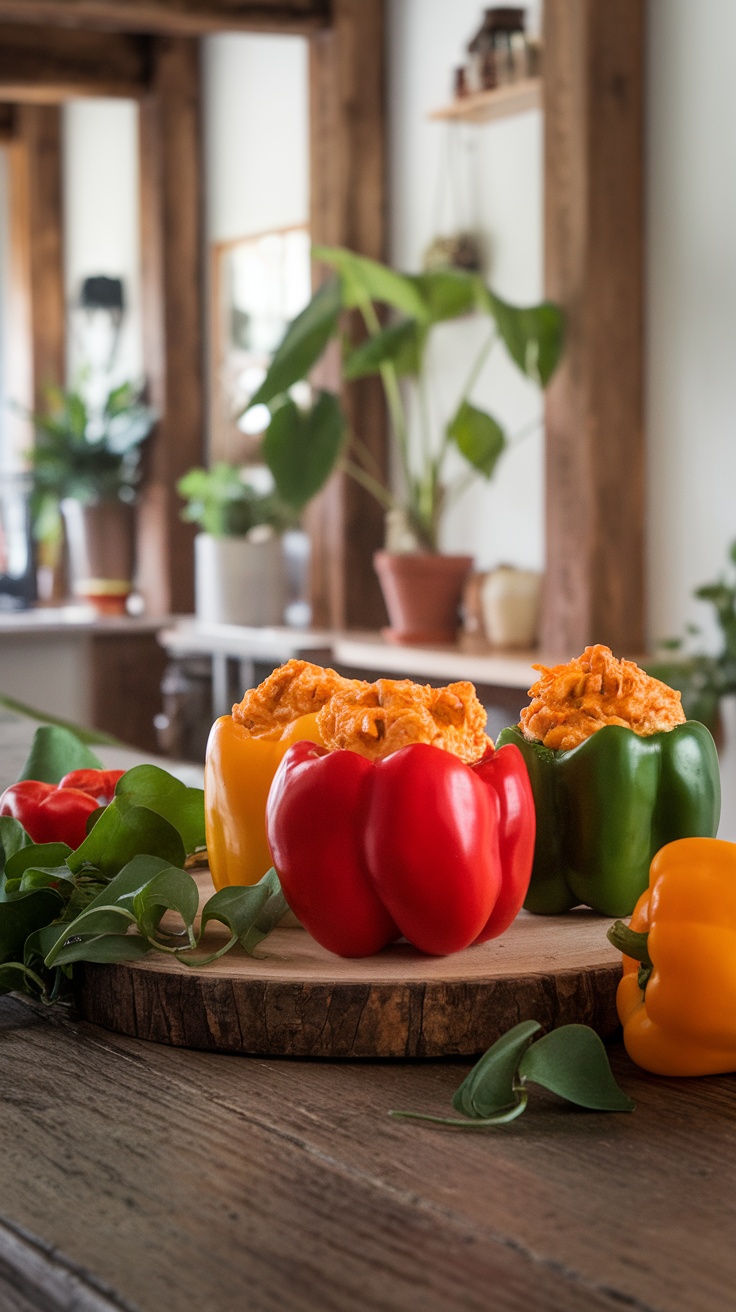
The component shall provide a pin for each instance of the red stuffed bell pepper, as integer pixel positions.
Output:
(58, 813)
(417, 844)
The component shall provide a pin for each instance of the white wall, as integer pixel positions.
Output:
(499, 165)
(101, 214)
(256, 134)
(691, 303)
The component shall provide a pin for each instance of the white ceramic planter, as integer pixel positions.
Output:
(510, 605)
(239, 580)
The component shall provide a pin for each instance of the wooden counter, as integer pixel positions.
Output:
(151, 1178)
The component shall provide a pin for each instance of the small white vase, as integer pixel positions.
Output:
(239, 580)
(510, 604)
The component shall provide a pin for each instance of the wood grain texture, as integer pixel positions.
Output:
(49, 66)
(171, 17)
(173, 315)
(348, 204)
(594, 590)
(180, 1179)
(39, 133)
(295, 999)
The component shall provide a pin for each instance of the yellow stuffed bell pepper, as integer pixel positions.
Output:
(238, 773)
(677, 998)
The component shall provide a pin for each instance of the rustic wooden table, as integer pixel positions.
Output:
(143, 1177)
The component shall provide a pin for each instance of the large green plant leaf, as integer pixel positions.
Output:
(147, 785)
(478, 437)
(21, 914)
(301, 448)
(491, 1085)
(56, 752)
(249, 913)
(533, 335)
(305, 340)
(366, 280)
(400, 345)
(448, 293)
(13, 838)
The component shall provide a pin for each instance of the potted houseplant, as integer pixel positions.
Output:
(85, 468)
(704, 679)
(238, 559)
(421, 586)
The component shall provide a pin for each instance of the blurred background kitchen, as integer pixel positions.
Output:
(163, 179)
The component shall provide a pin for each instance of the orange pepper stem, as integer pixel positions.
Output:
(635, 945)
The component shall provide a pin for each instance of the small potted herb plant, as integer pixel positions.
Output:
(239, 573)
(85, 468)
(422, 587)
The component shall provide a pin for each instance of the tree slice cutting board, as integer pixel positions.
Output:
(295, 999)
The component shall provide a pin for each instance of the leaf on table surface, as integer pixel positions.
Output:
(171, 889)
(572, 1062)
(13, 838)
(120, 835)
(491, 1085)
(23, 913)
(104, 948)
(56, 752)
(249, 912)
(152, 787)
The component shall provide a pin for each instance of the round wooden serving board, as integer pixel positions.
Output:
(297, 1000)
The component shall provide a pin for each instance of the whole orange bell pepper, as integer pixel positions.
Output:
(677, 998)
(238, 774)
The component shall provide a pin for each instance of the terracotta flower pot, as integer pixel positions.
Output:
(422, 592)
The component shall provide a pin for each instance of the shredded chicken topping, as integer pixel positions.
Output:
(571, 702)
(372, 719)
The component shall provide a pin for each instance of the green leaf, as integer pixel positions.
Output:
(491, 1085)
(15, 977)
(250, 913)
(111, 910)
(448, 293)
(119, 836)
(305, 340)
(572, 1062)
(478, 437)
(301, 450)
(36, 856)
(21, 914)
(54, 753)
(533, 336)
(105, 948)
(400, 345)
(149, 786)
(169, 890)
(365, 280)
(13, 838)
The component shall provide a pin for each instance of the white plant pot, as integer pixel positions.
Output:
(239, 580)
(510, 604)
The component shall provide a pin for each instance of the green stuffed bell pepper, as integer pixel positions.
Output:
(608, 803)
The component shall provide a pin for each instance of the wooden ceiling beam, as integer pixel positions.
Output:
(46, 67)
(171, 17)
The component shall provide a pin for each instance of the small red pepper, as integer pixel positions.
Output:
(58, 813)
(418, 844)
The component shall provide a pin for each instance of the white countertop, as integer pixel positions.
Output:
(44, 620)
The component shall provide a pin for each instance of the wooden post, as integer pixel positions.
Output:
(348, 199)
(173, 314)
(594, 268)
(39, 142)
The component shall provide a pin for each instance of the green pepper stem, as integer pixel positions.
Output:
(630, 942)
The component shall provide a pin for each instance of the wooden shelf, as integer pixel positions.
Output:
(502, 102)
